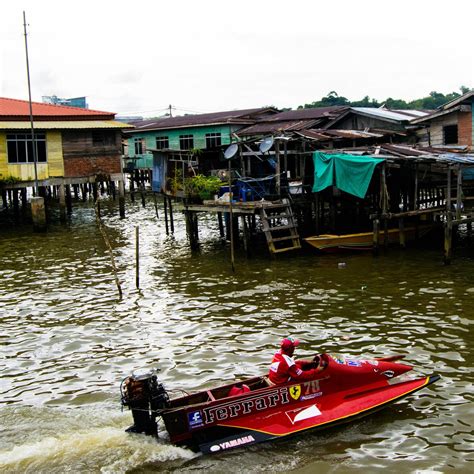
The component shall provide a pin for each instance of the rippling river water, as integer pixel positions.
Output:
(67, 342)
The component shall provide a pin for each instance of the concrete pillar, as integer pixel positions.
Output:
(38, 213)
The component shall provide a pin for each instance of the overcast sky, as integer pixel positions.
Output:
(136, 57)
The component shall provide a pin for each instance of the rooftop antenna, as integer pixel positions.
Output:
(33, 143)
(171, 113)
(266, 144)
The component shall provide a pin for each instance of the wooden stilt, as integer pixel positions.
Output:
(448, 226)
(171, 215)
(196, 228)
(121, 190)
(16, 204)
(62, 202)
(68, 199)
(156, 205)
(221, 225)
(317, 222)
(142, 194)
(137, 257)
(246, 236)
(24, 200)
(132, 188)
(94, 191)
(4, 199)
(166, 214)
(401, 225)
(375, 238)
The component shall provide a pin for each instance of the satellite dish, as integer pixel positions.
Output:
(231, 151)
(266, 144)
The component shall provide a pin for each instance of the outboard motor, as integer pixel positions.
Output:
(145, 395)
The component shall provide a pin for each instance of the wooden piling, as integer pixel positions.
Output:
(137, 257)
(448, 226)
(68, 200)
(62, 202)
(121, 189)
(375, 237)
(16, 204)
(156, 204)
(402, 236)
(171, 215)
(459, 193)
(24, 200)
(132, 188)
(246, 235)
(221, 225)
(142, 194)
(166, 214)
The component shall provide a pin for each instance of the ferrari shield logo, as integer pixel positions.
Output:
(295, 392)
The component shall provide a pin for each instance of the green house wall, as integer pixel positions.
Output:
(145, 160)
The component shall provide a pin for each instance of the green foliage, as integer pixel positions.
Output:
(430, 102)
(9, 180)
(203, 186)
(176, 183)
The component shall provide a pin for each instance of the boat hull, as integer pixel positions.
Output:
(212, 421)
(317, 416)
(364, 240)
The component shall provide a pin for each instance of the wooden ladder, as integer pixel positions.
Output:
(279, 226)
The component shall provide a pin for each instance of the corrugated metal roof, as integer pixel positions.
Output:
(14, 108)
(384, 113)
(305, 114)
(324, 134)
(63, 125)
(277, 127)
(246, 116)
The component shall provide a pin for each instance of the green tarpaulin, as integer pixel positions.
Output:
(349, 173)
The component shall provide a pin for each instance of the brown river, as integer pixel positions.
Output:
(67, 342)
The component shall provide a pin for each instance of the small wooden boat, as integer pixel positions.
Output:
(255, 410)
(363, 240)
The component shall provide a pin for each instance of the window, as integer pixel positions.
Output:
(450, 134)
(213, 140)
(162, 143)
(139, 146)
(20, 148)
(186, 142)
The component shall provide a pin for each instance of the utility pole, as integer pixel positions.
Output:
(33, 143)
(38, 210)
(170, 107)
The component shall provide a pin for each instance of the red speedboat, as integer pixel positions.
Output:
(255, 410)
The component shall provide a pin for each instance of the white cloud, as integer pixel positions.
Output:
(211, 55)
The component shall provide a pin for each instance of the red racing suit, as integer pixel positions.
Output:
(284, 369)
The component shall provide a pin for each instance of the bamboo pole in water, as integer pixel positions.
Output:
(109, 247)
(137, 256)
(231, 222)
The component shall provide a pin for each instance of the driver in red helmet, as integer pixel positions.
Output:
(285, 369)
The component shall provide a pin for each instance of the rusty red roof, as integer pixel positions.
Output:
(14, 109)
(244, 117)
